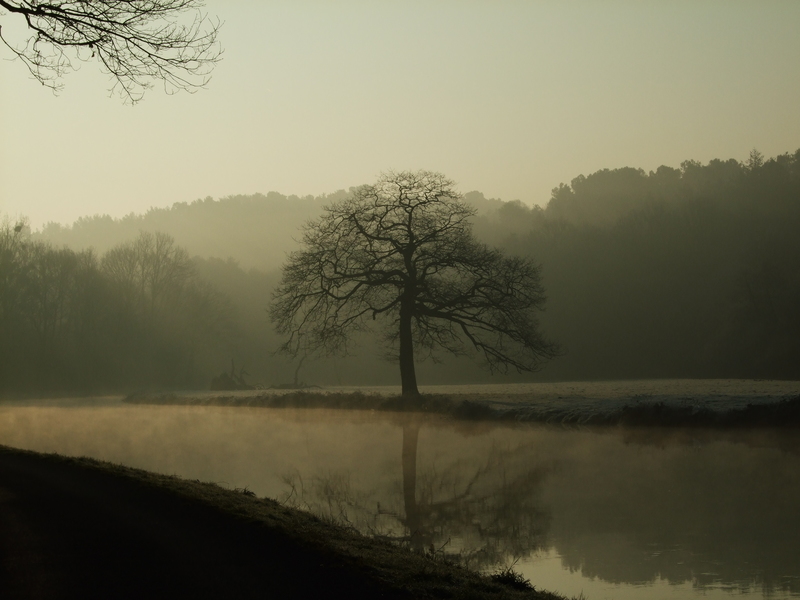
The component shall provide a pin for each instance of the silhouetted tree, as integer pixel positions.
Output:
(151, 267)
(402, 249)
(136, 41)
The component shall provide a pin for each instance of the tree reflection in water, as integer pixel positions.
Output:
(713, 508)
(484, 515)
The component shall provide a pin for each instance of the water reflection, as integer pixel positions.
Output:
(490, 512)
(599, 511)
(714, 509)
(486, 513)
(717, 510)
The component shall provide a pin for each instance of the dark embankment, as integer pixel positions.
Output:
(80, 528)
(783, 413)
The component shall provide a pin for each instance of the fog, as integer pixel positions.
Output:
(604, 511)
(510, 99)
(665, 249)
(686, 271)
(630, 182)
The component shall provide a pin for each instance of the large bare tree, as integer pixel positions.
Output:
(137, 42)
(402, 251)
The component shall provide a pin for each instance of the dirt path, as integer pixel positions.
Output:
(69, 532)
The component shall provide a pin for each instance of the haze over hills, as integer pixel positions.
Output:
(255, 230)
(679, 272)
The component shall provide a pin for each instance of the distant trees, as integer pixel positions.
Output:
(229, 227)
(689, 272)
(150, 269)
(137, 317)
(51, 296)
(172, 314)
(50, 317)
(137, 42)
(402, 250)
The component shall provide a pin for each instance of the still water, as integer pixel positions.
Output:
(607, 513)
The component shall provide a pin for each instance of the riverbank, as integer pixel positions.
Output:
(77, 527)
(636, 412)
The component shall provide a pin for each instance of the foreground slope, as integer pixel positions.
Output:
(83, 528)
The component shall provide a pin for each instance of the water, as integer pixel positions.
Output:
(609, 513)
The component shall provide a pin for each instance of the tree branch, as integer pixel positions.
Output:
(137, 42)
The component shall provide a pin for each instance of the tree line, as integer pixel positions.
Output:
(680, 272)
(136, 316)
(256, 230)
(690, 272)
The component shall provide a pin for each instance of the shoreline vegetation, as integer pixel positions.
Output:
(323, 551)
(780, 413)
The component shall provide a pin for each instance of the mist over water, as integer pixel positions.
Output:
(616, 513)
(648, 265)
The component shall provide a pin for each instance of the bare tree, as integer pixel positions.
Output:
(149, 268)
(136, 41)
(402, 250)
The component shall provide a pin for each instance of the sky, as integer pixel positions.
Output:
(510, 98)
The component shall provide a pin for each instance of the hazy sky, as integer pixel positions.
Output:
(509, 98)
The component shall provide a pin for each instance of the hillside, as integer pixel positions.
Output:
(80, 528)
(254, 230)
(680, 272)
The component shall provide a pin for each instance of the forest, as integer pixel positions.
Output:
(678, 272)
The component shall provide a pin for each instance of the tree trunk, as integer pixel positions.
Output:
(408, 376)
(413, 516)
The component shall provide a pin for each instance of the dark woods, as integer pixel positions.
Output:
(689, 272)
(73, 321)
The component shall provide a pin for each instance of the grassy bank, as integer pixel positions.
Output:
(386, 570)
(783, 413)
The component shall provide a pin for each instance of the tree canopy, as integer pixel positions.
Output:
(136, 41)
(402, 250)
(139, 316)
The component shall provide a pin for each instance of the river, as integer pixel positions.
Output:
(610, 513)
